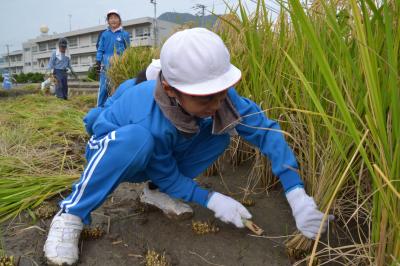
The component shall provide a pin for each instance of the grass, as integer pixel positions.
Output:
(41, 149)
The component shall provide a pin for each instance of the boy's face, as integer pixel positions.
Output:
(199, 106)
(62, 49)
(114, 21)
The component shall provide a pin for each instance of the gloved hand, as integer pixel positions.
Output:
(98, 66)
(227, 209)
(308, 217)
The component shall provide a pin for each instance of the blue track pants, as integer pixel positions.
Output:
(62, 83)
(103, 92)
(123, 155)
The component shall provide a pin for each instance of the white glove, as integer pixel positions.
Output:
(227, 209)
(308, 217)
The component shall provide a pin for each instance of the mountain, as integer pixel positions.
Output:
(181, 18)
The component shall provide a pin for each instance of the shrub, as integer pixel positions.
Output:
(28, 77)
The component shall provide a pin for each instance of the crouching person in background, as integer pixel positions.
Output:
(49, 85)
(168, 131)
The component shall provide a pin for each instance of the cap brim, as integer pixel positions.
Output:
(109, 14)
(212, 86)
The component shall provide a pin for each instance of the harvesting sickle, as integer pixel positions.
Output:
(253, 227)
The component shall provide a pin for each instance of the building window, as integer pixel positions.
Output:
(34, 49)
(52, 45)
(43, 63)
(16, 58)
(73, 42)
(35, 63)
(27, 49)
(85, 60)
(42, 47)
(27, 63)
(93, 38)
(142, 32)
(74, 60)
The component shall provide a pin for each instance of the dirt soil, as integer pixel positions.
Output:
(130, 232)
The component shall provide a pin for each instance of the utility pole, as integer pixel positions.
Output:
(154, 2)
(70, 27)
(8, 58)
(201, 12)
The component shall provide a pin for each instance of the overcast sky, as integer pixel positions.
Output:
(21, 19)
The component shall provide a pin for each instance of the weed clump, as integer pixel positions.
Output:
(202, 228)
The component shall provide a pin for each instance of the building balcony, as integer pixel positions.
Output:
(12, 64)
(142, 41)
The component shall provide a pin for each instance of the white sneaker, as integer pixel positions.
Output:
(172, 208)
(61, 247)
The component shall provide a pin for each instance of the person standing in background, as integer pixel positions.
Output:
(59, 62)
(113, 40)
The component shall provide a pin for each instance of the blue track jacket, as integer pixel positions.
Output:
(138, 106)
(111, 42)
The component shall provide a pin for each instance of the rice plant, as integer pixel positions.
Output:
(129, 64)
(328, 72)
(41, 150)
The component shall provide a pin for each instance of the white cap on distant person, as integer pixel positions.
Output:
(197, 62)
(113, 11)
(153, 70)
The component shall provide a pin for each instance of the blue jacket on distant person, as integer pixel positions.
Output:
(59, 61)
(111, 42)
(7, 84)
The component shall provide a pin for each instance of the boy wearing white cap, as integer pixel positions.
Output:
(170, 130)
(113, 40)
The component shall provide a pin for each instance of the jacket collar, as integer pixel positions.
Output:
(224, 120)
(117, 29)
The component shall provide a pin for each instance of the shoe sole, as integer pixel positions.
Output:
(50, 263)
(180, 217)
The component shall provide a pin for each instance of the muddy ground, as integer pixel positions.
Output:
(132, 230)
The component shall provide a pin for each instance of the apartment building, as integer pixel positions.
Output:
(14, 62)
(35, 53)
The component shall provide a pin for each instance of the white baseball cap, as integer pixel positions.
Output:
(113, 11)
(197, 62)
(153, 70)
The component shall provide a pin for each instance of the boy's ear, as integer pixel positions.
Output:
(168, 89)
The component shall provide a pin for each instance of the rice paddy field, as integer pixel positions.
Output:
(328, 71)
